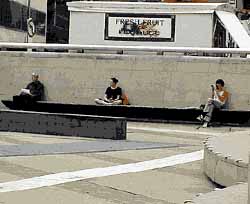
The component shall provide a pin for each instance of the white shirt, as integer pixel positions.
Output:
(216, 94)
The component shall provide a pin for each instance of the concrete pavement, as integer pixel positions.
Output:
(173, 184)
(236, 194)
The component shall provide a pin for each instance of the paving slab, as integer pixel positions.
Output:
(236, 194)
(80, 147)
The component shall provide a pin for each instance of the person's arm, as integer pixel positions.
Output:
(28, 86)
(117, 98)
(106, 98)
(213, 91)
(106, 95)
(26, 90)
(37, 90)
(119, 94)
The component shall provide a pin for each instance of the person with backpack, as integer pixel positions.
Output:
(113, 94)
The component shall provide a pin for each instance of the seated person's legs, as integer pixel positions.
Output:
(117, 102)
(22, 100)
(208, 110)
(100, 101)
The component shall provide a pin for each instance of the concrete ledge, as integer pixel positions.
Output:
(63, 124)
(226, 158)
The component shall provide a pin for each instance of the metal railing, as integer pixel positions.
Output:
(42, 47)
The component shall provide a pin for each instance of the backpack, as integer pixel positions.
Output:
(125, 99)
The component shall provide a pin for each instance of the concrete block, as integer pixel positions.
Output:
(222, 164)
(209, 164)
(225, 173)
(63, 124)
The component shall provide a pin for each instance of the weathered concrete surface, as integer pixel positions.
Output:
(81, 147)
(170, 185)
(248, 180)
(169, 81)
(63, 124)
(226, 158)
(12, 35)
(236, 194)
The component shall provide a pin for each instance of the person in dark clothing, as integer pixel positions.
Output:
(112, 94)
(33, 92)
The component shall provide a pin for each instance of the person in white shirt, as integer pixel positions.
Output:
(218, 100)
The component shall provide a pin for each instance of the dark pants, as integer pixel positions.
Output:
(23, 101)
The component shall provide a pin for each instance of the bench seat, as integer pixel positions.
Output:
(142, 113)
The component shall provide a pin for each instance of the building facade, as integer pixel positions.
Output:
(51, 18)
(13, 20)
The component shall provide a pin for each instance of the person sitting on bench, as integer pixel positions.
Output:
(33, 92)
(218, 100)
(112, 94)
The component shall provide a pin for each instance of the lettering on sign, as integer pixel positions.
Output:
(139, 27)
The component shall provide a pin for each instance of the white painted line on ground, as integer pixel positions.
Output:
(65, 177)
(164, 130)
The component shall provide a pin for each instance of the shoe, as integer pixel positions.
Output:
(200, 118)
(205, 125)
(202, 106)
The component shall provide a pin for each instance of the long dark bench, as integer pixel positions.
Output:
(142, 113)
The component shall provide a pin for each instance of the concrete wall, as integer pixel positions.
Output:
(171, 81)
(15, 35)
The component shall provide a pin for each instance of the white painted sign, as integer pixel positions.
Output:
(141, 27)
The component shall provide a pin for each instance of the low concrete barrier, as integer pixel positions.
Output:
(225, 158)
(63, 124)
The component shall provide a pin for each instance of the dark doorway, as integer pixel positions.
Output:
(219, 35)
(246, 4)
